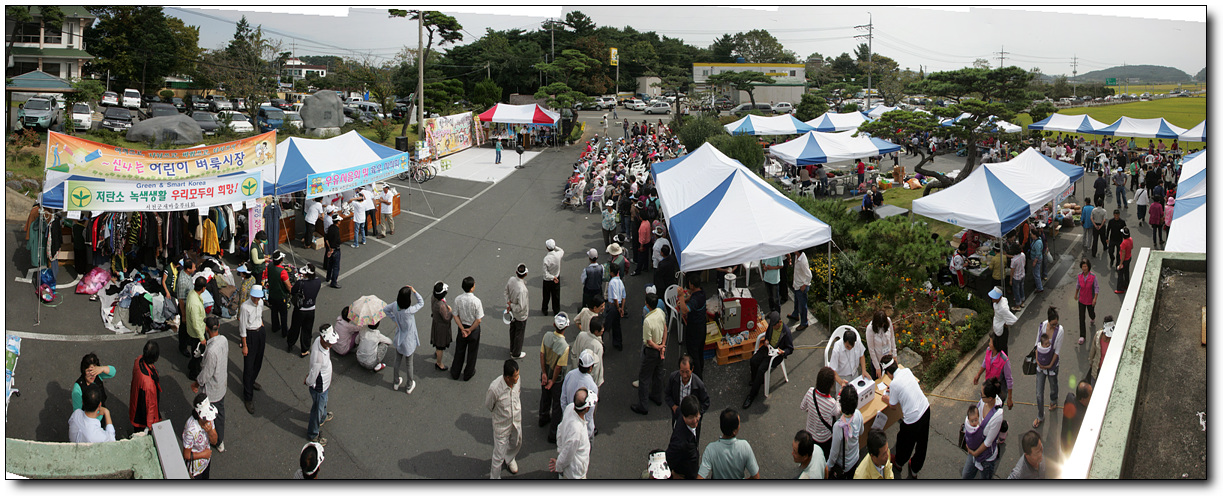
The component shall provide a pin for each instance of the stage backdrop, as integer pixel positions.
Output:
(449, 134)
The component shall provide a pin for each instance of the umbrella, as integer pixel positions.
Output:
(366, 310)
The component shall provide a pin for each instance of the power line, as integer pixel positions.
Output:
(1002, 56)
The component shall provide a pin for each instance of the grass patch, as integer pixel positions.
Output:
(1183, 112)
(903, 198)
(370, 134)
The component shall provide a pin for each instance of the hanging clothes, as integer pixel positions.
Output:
(208, 241)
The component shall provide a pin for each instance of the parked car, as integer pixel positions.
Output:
(373, 108)
(131, 98)
(208, 122)
(219, 104)
(352, 115)
(635, 104)
(82, 116)
(783, 108)
(269, 118)
(40, 112)
(178, 104)
(199, 103)
(293, 118)
(658, 107)
(605, 102)
(145, 100)
(399, 112)
(1184, 94)
(161, 110)
(117, 119)
(238, 121)
(237, 103)
(110, 99)
(744, 108)
(281, 104)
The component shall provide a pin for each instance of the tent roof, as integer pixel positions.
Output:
(37, 81)
(832, 122)
(1142, 128)
(1188, 230)
(764, 126)
(707, 196)
(820, 148)
(1198, 133)
(1068, 124)
(520, 114)
(297, 158)
(991, 124)
(878, 111)
(995, 198)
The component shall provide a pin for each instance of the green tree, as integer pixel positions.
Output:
(485, 94)
(722, 49)
(818, 70)
(810, 107)
(696, 131)
(901, 249)
(837, 93)
(760, 46)
(844, 68)
(246, 66)
(139, 45)
(439, 28)
(442, 96)
(581, 23)
(1042, 110)
(743, 148)
(560, 96)
(573, 68)
(742, 81)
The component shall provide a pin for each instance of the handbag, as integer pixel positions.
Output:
(1029, 363)
(840, 472)
(963, 444)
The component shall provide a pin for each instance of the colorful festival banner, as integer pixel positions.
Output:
(87, 158)
(326, 183)
(141, 196)
(449, 134)
(254, 218)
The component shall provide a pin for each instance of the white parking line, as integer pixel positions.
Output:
(414, 213)
(427, 192)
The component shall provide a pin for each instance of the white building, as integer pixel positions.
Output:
(789, 81)
(296, 70)
(55, 50)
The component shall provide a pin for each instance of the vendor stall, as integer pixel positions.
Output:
(831, 122)
(1198, 133)
(1188, 230)
(757, 125)
(818, 148)
(1141, 128)
(1067, 124)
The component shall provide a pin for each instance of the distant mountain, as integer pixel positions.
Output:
(1201, 76)
(1144, 73)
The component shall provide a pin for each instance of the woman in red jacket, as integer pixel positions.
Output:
(146, 389)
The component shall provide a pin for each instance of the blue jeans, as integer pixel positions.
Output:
(1041, 377)
(1037, 273)
(987, 472)
(318, 411)
(333, 269)
(358, 233)
(1017, 290)
(498, 156)
(800, 306)
(1120, 197)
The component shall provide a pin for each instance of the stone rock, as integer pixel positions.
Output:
(959, 316)
(908, 358)
(839, 307)
(323, 132)
(322, 110)
(32, 184)
(8, 174)
(14, 185)
(171, 129)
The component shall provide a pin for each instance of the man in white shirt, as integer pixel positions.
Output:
(802, 281)
(613, 309)
(590, 340)
(504, 400)
(387, 220)
(914, 433)
(1003, 317)
(848, 358)
(368, 205)
(313, 210)
(468, 312)
(358, 218)
(573, 439)
(83, 425)
(517, 304)
(251, 330)
(552, 277)
(580, 378)
(214, 371)
(319, 380)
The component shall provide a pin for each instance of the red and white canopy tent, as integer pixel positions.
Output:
(520, 114)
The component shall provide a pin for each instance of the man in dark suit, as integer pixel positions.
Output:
(680, 385)
(682, 454)
(777, 338)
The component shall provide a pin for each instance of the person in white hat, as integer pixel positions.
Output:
(310, 460)
(504, 400)
(552, 277)
(553, 357)
(387, 221)
(610, 221)
(592, 278)
(518, 305)
(254, 339)
(319, 381)
(573, 438)
(580, 378)
(1003, 317)
(198, 435)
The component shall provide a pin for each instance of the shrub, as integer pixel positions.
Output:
(941, 366)
(25, 137)
(745, 149)
(382, 129)
(978, 326)
(903, 248)
(696, 132)
(166, 95)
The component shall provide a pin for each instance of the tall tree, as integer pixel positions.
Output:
(49, 15)
(138, 45)
(810, 107)
(575, 69)
(581, 24)
(722, 49)
(247, 65)
(742, 81)
(760, 46)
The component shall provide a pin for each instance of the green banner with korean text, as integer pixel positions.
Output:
(141, 196)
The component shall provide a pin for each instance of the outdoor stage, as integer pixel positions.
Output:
(476, 164)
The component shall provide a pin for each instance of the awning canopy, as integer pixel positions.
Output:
(504, 113)
(831, 122)
(1188, 230)
(821, 148)
(991, 125)
(720, 213)
(1068, 124)
(878, 111)
(1142, 128)
(767, 126)
(997, 197)
(297, 158)
(1198, 133)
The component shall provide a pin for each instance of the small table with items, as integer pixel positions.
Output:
(876, 406)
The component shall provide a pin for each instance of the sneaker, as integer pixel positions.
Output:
(221, 447)
(522, 355)
(398, 382)
(329, 417)
(635, 383)
(379, 367)
(320, 439)
(513, 466)
(411, 387)
(1081, 340)
(354, 245)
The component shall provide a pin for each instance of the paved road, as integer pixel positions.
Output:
(441, 431)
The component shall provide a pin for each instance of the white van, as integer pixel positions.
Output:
(131, 98)
(370, 107)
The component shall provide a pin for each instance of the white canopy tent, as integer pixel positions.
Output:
(1068, 124)
(830, 122)
(1142, 128)
(878, 111)
(297, 158)
(1188, 230)
(767, 126)
(821, 148)
(1198, 133)
(719, 213)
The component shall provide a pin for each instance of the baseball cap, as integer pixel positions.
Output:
(522, 269)
(587, 358)
(550, 244)
(592, 253)
(592, 399)
(561, 320)
(650, 289)
(256, 291)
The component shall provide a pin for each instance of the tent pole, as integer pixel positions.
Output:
(829, 286)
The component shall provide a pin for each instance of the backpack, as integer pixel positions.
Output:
(651, 209)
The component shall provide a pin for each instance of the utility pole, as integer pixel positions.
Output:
(1074, 73)
(420, 76)
(870, 55)
(1002, 57)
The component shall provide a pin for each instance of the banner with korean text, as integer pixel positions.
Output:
(449, 134)
(82, 157)
(141, 196)
(326, 183)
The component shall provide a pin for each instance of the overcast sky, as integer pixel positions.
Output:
(934, 38)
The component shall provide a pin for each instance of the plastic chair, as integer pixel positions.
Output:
(669, 297)
(596, 198)
(768, 371)
(836, 336)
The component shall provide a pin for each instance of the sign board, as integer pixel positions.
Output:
(337, 181)
(1061, 197)
(81, 157)
(449, 134)
(615, 56)
(1134, 80)
(142, 196)
(254, 219)
(1110, 81)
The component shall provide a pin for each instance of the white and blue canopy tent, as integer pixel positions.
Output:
(1198, 133)
(992, 124)
(1068, 124)
(1142, 128)
(878, 111)
(767, 126)
(1188, 230)
(821, 148)
(995, 198)
(719, 213)
(297, 158)
(831, 122)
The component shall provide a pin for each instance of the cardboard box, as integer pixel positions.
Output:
(865, 387)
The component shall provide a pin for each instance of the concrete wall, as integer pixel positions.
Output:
(127, 459)
(765, 94)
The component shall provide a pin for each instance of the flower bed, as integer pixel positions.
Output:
(919, 318)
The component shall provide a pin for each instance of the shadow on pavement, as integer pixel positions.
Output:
(445, 464)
